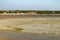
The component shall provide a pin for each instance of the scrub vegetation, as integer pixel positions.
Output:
(28, 11)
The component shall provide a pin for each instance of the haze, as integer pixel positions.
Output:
(30, 4)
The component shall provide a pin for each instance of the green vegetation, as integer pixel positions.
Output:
(27, 11)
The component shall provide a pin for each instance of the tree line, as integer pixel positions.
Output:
(26, 11)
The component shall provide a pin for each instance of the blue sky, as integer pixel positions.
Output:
(30, 4)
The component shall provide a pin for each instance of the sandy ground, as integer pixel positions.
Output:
(45, 25)
(12, 39)
(8, 35)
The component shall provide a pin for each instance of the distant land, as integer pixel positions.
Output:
(29, 11)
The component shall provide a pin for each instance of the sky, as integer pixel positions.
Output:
(29, 4)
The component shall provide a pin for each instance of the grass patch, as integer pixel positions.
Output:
(15, 29)
(18, 29)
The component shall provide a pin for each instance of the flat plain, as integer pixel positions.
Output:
(34, 26)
